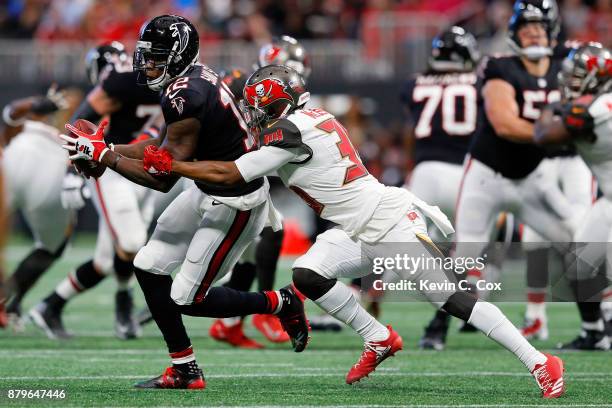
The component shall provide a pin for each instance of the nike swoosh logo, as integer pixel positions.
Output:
(172, 95)
(272, 124)
(216, 203)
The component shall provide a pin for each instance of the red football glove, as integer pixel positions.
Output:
(157, 161)
(85, 146)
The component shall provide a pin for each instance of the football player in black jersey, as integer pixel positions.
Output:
(442, 107)
(206, 228)
(502, 172)
(261, 258)
(121, 205)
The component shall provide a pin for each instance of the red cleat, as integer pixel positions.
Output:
(535, 329)
(232, 335)
(549, 377)
(175, 379)
(374, 354)
(270, 327)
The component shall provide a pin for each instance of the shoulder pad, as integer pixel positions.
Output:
(281, 133)
(181, 100)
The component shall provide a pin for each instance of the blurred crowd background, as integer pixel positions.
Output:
(361, 50)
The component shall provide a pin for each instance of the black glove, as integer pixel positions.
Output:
(52, 102)
(577, 119)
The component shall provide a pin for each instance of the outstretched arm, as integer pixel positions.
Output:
(549, 129)
(248, 167)
(181, 141)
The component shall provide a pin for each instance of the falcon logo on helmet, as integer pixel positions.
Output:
(167, 48)
(181, 30)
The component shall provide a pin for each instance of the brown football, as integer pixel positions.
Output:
(87, 167)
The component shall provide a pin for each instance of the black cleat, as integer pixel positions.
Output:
(174, 378)
(588, 340)
(293, 318)
(50, 321)
(434, 337)
(126, 326)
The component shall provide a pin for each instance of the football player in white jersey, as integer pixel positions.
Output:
(38, 195)
(585, 119)
(312, 154)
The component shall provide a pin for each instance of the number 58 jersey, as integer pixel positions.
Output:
(326, 171)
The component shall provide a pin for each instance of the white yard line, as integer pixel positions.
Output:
(300, 375)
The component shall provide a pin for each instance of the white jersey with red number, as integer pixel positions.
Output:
(598, 154)
(314, 157)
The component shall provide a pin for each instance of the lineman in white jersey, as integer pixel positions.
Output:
(313, 156)
(37, 194)
(585, 118)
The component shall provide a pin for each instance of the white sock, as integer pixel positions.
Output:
(340, 303)
(536, 311)
(66, 289)
(492, 322)
(597, 325)
(230, 321)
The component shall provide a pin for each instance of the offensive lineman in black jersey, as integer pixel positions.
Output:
(207, 227)
(442, 105)
(121, 205)
(503, 170)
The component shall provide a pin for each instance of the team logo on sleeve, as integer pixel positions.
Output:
(177, 103)
(266, 92)
(181, 30)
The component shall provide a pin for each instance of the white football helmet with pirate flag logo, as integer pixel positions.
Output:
(168, 43)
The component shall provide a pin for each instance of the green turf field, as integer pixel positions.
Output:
(95, 369)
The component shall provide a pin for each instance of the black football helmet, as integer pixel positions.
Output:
(586, 70)
(285, 51)
(534, 11)
(454, 50)
(272, 92)
(99, 57)
(169, 43)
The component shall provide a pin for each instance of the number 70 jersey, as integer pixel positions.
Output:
(328, 174)
(443, 111)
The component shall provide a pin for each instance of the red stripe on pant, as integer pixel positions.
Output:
(105, 212)
(466, 168)
(234, 232)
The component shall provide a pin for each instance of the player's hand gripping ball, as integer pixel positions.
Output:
(88, 168)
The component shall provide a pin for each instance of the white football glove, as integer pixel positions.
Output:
(74, 192)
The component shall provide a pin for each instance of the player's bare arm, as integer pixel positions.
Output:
(216, 172)
(549, 128)
(503, 112)
(181, 140)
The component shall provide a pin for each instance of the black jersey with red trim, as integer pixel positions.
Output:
(511, 159)
(139, 105)
(442, 109)
(200, 94)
